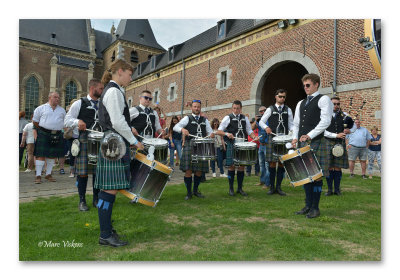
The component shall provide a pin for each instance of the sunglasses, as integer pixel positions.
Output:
(147, 98)
(261, 111)
(336, 103)
(307, 85)
(198, 101)
(281, 96)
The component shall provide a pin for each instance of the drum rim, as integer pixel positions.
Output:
(164, 142)
(246, 144)
(157, 165)
(302, 150)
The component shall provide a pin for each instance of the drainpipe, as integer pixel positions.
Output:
(334, 56)
(183, 87)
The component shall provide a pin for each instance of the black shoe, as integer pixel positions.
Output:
(303, 211)
(271, 191)
(241, 192)
(113, 241)
(313, 214)
(83, 206)
(328, 193)
(280, 192)
(187, 197)
(198, 194)
(337, 193)
(364, 177)
(231, 192)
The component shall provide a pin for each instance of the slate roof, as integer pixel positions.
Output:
(103, 40)
(67, 33)
(201, 42)
(68, 61)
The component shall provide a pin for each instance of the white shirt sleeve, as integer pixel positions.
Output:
(224, 123)
(296, 120)
(181, 124)
(133, 112)
(113, 100)
(265, 117)
(326, 106)
(208, 128)
(290, 115)
(71, 118)
(329, 134)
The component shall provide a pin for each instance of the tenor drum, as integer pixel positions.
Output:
(94, 139)
(160, 148)
(203, 149)
(245, 153)
(148, 180)
(279, 145)
(302, 166)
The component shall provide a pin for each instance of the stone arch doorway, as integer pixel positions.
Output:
(286, 75)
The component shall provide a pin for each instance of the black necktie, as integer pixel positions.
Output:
(197, 118)
(280, 109)
(95, 104)
(147, 110)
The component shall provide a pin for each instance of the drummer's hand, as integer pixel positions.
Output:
(268, 130)
(304, 138)
(134, 131)
(139, 146)
(341, 135)
(81, 125)
(294, 143)
(185, 132)
(230, 136)
(212, 135)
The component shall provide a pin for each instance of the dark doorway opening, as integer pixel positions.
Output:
(286, 75)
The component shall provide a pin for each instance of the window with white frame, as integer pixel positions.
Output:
(156, 96)
(172, 92)
(224, 78)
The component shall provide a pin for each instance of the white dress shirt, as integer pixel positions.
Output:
(48, 118)
(114, 101)
(326, 106)
(184, 122)
(29, 133)
(226, 120)
(134, 113)
(268, 113)
(71, 119)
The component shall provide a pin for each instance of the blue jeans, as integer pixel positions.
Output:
(178, 148)
(264, 166)
(220, 158)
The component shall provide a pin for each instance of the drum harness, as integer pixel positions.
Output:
(148, 127)
(198, 135)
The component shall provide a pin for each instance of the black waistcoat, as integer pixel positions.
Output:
(87, 114)
(193, 124)
(337, 124)
(310, 116)
(104, 117)
(273, 120)
(233, 126)
(140, 122)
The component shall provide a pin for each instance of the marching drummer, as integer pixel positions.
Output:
(113, 175)
(336, 134)
(235, 126)
(312, 116)
(280, 122)
(191, 126)
(82, 116)
(144, 120)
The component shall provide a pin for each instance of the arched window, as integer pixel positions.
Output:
(134, 56)
(31, 96)
(70, 92)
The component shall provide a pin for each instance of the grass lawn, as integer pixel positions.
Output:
(218, 228)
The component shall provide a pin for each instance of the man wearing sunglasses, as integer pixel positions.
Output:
(193, 125)
(144, 120)
(312, 117)
(280, 122)
(336, 134)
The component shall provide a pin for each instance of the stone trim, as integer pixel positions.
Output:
(228, 78)
(175, 93)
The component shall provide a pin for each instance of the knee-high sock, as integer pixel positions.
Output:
(329, 179)
(231, 178)
(308, 190)
(279, 176)
(50, 163)
(104, 210)
(272, 174)
(316, 194)
(82, 183)
(188, 184)
(39, 167)
(95, 191)
(240, 177)
(196, 183)
(336, 178)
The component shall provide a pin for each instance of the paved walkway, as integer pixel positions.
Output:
(65, 186)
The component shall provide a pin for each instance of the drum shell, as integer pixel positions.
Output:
(160, 149)
(93, 146)
(279, 145)
(203, 149)
(245, 153)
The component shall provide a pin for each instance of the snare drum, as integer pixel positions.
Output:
(203, 149)
(160, 148)
(279, 144)
(302, 166)
(94, 139)
(148, 180)
(245, 153)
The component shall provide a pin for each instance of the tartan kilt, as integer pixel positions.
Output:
(339, 162)
(113, 175)
(229, 153)
(186, 160)
(322, 152)
(81, 160)
(43, 148)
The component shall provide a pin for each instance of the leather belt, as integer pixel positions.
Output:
(356, 146)
(49, 131)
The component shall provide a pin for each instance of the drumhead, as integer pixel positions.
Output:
(155, 142)
(282, 138)
(245, 145)
(203, 140)
(95, 135)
